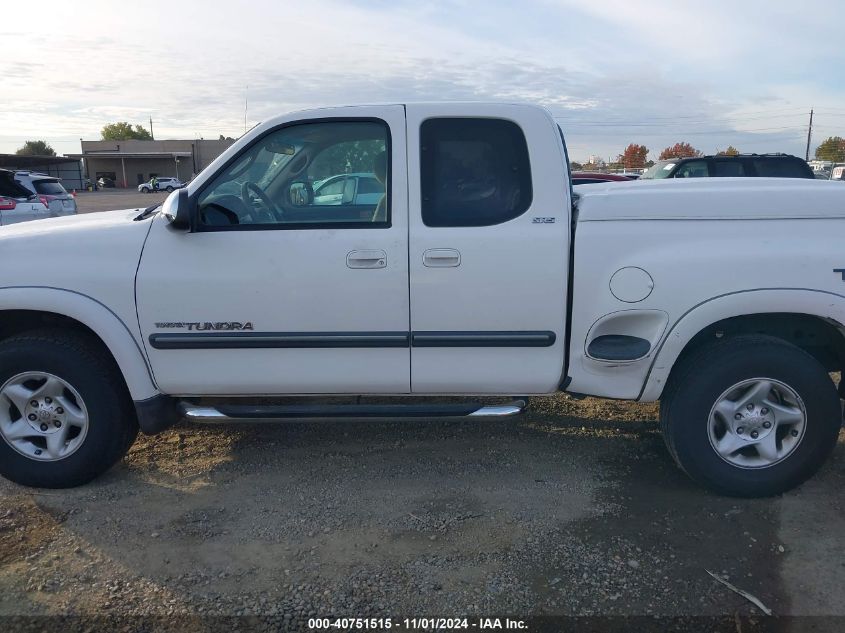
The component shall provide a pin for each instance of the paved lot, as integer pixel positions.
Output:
(113, 199)
(575, 508)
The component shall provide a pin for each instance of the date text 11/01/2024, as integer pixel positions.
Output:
(416, 623)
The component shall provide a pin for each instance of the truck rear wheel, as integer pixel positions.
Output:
(750, 416)
(65, 415)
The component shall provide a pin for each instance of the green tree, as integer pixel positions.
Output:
(575, 166)
(679, 150)
(731, 151)
(346, 158)
(832, 149)
(634, 156)
(36, 148)
(123, 131)
(225, 138)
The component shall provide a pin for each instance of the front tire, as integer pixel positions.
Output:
(65, 415)
(750, 416)
(145, 190)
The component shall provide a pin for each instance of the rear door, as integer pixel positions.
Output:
(489, 204)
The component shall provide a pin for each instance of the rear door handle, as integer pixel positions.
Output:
(366, 259)
(441, 258)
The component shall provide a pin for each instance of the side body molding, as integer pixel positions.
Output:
(114, 332)
(821, 303)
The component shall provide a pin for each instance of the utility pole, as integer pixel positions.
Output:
(246, 106)
(152, 136)
(809, 136)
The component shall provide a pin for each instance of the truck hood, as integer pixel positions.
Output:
(71, 223)
(711, 199)
(95, 253)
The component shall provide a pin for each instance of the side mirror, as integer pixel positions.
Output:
(177, 209)
(300, 194)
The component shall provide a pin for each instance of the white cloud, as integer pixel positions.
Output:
(650, 69)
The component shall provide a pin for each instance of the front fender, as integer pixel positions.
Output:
(116, 334)
(820, 303)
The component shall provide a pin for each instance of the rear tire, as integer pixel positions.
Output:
(750, 416)
(40, 371)
(169, 189)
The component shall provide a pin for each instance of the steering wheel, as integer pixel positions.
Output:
(248, 187)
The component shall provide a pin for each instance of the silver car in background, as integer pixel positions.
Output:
(17, 203)
(50, 192)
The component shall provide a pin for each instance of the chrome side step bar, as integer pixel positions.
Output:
(286, 413)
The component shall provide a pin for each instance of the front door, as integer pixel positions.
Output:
(489, 244)
(276, 291)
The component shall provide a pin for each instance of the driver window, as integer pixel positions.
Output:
(307, 175)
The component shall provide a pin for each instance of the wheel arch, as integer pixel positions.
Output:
(28, 308)
(810, 319)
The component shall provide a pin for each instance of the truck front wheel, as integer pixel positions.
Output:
(750, 416)
(65, 415)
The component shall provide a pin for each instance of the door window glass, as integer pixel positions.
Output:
(474, 172)
(303, 176)
(693, 169)
(728, 168)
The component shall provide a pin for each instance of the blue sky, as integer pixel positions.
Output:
(612, 72)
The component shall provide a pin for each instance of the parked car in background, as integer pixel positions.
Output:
(50, 192)
(165, 183)
(838, 172)
(360, 188)
(592, 177)
(741, 165)
(17, 203)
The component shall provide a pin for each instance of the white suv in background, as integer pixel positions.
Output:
(165, 183)
(17, 203)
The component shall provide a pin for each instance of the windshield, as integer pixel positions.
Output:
(660, 169)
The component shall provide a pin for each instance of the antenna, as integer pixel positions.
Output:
(809, 136)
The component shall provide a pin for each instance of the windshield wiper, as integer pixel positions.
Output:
(148, 211)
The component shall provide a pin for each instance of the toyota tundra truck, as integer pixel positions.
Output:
(478, 272)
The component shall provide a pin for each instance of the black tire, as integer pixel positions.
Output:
(702, 377)
(169, 190)
(145, 190)
(112, 425)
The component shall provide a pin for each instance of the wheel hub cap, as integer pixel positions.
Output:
(42, 416)
(757, 423)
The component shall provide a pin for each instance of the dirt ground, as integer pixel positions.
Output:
(113, 199)
(572, 509)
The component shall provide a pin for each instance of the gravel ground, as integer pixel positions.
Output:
(573, 509)
(113, 199)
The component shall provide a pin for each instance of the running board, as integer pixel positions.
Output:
(273, 413)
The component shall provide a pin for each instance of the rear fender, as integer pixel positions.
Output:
(820, 303)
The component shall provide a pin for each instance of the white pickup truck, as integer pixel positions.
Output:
(478, 272)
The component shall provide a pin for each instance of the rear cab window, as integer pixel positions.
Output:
(473, 172)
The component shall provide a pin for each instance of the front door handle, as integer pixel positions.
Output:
(366, 259)
(441, 258)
